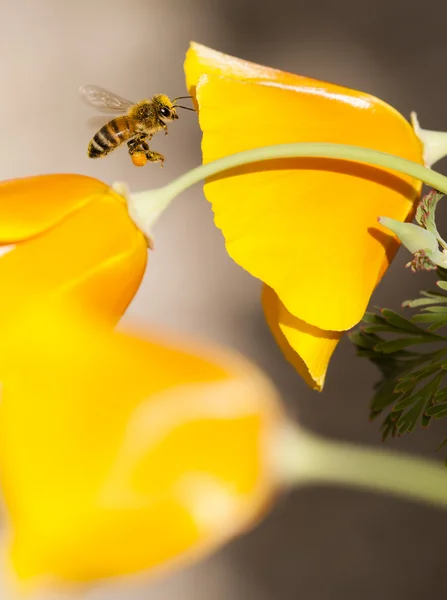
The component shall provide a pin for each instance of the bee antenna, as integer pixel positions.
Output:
(184, 107)
(181, 98)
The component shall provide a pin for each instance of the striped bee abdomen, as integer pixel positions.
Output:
(110, 136)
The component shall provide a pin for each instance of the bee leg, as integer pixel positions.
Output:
(153, 156)
(137, 144)
(132, 146)
(163, 125)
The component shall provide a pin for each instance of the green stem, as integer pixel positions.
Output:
(308, 149)
(146, 207)
(304, 458)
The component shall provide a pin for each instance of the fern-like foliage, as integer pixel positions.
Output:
(412, 357)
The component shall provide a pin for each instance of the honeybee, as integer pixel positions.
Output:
(136, 126)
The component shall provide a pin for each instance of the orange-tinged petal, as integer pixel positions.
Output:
(306, 227)
(307, 348)
(95, 256)
(200, 60)
(120, 454)
(32, 205)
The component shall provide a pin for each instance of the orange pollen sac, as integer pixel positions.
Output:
(139, 159)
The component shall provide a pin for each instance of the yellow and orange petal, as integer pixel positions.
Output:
(31, 205)
(74, 241)
(306, 347)
(306, 227)
(120, 454)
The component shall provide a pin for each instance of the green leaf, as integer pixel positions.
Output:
(428, 297)
(383, 397)
(389, 426)
(438, 324)
(408, 420)
(438, 410)
(390, 346)
(425, 420)
(401, 323)
(406, 401)
(426, 393)
(427, 317)
(420, 400)
(408, 382)
(442, 310)
(387, 328)
(409, 389)
(363, 340)
(441, 395)
(373, 319)
(432, 294)
(421, 302)
(405, 385)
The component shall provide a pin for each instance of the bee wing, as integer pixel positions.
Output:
(104, 100)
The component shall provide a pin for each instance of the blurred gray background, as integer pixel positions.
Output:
(318, 544)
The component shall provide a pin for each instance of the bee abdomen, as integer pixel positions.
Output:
(109, 137)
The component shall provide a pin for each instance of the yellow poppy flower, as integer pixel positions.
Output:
(69, 237)
(120, 454)
(306, 227)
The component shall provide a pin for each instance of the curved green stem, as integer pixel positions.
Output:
(308, 149)
(304, 458)
(146, 207)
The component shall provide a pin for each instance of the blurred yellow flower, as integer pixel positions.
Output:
(73, 239)
(306, 227)
(120, 454)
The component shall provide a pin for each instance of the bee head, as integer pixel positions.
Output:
(164, 108)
